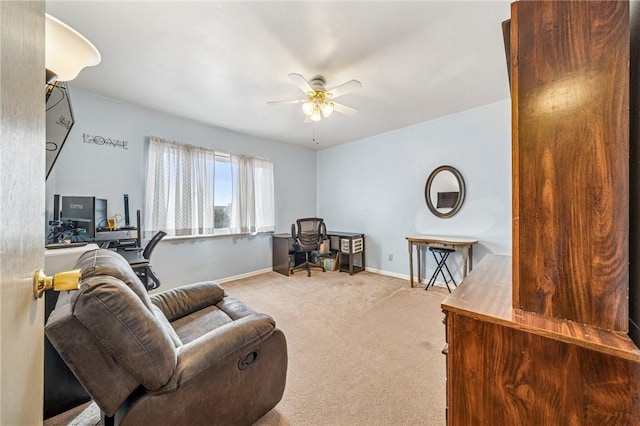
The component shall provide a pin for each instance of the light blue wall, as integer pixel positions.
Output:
(109, 172)
(376, 185)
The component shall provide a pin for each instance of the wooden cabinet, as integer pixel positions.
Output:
(541, 337)
(570, 100)
(507, 366)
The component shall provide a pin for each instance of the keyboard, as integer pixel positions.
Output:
(64, 245)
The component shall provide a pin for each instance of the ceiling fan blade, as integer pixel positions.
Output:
(301, 82)
(344, 109)
(344, 88)
(297, 101)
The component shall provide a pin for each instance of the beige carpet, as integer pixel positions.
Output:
(363, 349)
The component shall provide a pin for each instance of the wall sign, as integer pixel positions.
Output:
(104, 141)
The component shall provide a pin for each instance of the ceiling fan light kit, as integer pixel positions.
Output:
(318, 105)
(319, 102)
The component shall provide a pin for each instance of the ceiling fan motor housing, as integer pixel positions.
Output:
(317, 83)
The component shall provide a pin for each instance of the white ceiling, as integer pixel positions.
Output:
(221, 62)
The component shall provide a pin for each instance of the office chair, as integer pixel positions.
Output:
(147, 275)
(308, 237)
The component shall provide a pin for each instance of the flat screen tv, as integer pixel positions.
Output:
(59, 120)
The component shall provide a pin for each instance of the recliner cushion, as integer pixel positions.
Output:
(202, 321)
(90, 362)
(179, 302)
(132, 334)
(166, 325)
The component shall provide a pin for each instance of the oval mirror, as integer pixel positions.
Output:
(444, 191)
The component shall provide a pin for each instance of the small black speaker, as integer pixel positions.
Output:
(126, 209)
(56, 207)
(138, 223)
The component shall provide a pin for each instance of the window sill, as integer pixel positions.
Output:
(202, 237)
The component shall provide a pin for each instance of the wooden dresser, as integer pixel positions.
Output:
(540, 338)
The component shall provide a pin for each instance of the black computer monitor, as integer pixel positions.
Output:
(88, 213)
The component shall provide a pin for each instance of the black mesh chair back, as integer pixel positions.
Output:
(152, 244)
(310, 234)
(307, 237)
(147, 275)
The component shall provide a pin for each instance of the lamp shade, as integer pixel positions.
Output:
(307, 108)
(316, 114)
(327, 109)
(67, 51)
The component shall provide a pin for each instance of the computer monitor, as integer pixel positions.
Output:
(88, 213)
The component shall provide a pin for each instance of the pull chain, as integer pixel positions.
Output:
(315, 134)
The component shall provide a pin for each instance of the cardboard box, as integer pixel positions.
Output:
(325, 247)
(332, 263)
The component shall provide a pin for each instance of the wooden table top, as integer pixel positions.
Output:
(486, 294)
(441, 239)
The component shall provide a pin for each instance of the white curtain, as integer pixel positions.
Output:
(180, 189)
(252, 201)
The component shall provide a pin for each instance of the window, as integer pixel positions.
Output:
(193, 190)
(222, 190)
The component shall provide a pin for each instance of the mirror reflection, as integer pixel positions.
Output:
(444, 191)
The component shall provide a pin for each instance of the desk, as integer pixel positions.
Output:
(465, 245)
(281, 253)
(135, 259)
(63, 259)
(349, 244)
(120, 238)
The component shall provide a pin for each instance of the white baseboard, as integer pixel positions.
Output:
(372, 270)
(387, 273)
(245, 275)
(404, 277)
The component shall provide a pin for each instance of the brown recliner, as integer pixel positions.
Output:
(190, 355)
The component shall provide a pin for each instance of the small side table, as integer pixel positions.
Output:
(351, 248)
(463, 244)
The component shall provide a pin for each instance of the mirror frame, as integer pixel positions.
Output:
(463, 191)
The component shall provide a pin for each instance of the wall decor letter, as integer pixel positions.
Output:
(101, 140)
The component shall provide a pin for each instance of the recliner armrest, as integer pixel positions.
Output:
(217, 346)
(179, 302)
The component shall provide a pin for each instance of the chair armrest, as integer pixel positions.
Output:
(179, 302)
(217, 346)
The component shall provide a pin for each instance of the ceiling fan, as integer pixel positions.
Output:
(319, 101)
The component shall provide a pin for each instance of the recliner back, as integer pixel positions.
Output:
(124, 341)
(107, 262)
